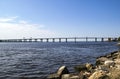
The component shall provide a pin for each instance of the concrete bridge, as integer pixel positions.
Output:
(62, 39)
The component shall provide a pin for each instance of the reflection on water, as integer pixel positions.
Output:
(37, 60)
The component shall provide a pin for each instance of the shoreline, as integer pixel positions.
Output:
(106, 67)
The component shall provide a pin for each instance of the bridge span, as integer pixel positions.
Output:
(62, 39)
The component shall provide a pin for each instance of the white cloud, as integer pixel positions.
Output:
(23, 22)
(13, 28)
(8, 19)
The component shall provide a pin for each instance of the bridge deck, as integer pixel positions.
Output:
(62, 39)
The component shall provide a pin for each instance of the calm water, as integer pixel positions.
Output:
(37, 60)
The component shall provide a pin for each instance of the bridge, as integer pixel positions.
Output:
(62, 39)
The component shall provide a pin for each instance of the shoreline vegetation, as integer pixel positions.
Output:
(106, 67)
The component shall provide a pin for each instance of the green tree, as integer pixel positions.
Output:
(119, 39)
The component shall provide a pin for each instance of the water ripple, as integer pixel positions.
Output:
(37, 60)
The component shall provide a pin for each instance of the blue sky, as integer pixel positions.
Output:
(59, 18)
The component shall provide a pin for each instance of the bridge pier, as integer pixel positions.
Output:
(109, 39)
(24, 40)
(115, 39)
(35, 40)
(86, 39)
(102, 39)
(47, 40)
(19, 40)
(30, 40)
(59, 39)
(66, 40)
(41, 40)
(75, 40)
(95, 39)
(53, 39)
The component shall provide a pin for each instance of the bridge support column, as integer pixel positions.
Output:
(35, 40)
(75, 40)
(41, 40)
(53, 39)
(115, 39)
(66, 40)
(20, 40)
(24, 40)
(86, 39)
(30, 40)
(59, 39)
(95, 39)
(47, 40)
(109, 39)
(102, 39)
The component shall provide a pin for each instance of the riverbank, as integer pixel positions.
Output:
(106, 67)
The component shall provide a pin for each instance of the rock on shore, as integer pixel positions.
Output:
(106, 67)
